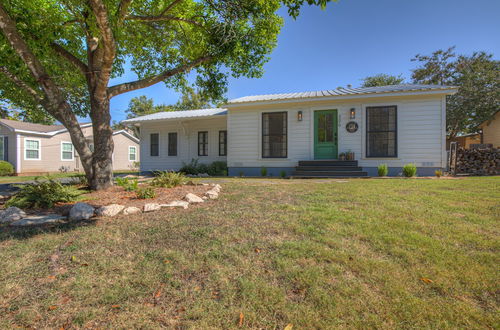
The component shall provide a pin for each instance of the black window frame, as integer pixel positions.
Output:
(203, 143)
(172, 148)
(223, 143)
(285, 113)
(156, 144)
(395, 131)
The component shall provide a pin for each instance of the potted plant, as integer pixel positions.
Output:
(350, 155)
(342, 156)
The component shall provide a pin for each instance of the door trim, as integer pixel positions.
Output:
(336, 130)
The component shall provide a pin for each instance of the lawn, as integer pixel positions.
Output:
(366, 253)
(23, 178)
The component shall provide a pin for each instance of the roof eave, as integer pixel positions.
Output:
(134, 122)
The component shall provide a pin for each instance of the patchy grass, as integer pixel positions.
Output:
(402, 253)
(22, 178)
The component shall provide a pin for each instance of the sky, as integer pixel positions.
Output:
(352, 39)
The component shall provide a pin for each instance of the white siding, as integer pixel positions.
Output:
(420, 132)
(187, 142)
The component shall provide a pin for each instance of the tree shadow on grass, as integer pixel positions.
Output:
(22, 233)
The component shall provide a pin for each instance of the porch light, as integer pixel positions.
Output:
(299, 116)
(352, 113)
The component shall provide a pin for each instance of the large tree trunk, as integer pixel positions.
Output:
(102, 159)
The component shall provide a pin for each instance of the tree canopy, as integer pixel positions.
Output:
(477, 77)
(382, 79)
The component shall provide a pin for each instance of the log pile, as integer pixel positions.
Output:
(478, 161)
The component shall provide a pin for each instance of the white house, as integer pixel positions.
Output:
(303, 134)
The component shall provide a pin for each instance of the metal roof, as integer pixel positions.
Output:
(341, 91)
(25, 127)
(179, 115)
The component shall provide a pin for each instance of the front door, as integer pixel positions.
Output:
(325, 134)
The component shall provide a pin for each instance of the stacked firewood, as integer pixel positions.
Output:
(478, 161)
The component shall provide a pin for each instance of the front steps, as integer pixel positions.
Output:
(328, 169)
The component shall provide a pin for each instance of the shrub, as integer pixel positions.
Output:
(42, 194)
(263, 171)
(438, 173)
(241, 173)
(283, 174)
(80, 179)
(383, 170)
(217, 168)
(190, 168)
(167, 179)
(145, 193)
(6, 168)
(127, 184)
(409, 170)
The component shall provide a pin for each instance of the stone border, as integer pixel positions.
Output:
(84, 211)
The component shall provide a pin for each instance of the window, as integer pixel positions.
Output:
(31, 149)
(202, 143)
(274, 135)
(172, 144)
(154, 140)
(132, 153)
(3, 151)
(381, 131)
(222, 143)
(67, 151)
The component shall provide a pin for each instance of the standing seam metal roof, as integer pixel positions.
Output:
(179, 114)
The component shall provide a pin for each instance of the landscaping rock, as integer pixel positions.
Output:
(193, 199)
(182, 204)
(131, 210)
(150, 207)
(39, 220)
(81, 211)
(109, 210)
(12, 214)
(212, 194)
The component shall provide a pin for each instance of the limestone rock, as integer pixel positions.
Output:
(182, 204)
(150, 207)
(81, 211)
(12, 214)
(109, 210)
(39, 220)
(193, 199)
(212, 194)
(131, 210)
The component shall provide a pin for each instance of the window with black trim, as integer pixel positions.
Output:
(381, 131)
(154, 144)
(172, 144)
(203, 143)
(222, 143)
(274, 135)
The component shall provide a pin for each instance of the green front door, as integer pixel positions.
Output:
(325, 134)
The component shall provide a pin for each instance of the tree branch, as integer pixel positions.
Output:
(70, 57)
(123, 9)
(146, 82)
(161, 18)
(21, 84)
(169, 7)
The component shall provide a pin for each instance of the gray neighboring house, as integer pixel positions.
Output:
(303, 134)
(36, 148)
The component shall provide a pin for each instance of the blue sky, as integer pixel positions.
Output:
(352, 39)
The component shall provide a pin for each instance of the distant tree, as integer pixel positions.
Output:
(141, 106)
(38, 116)
(191, 100)
(382, 79)
(478, 80)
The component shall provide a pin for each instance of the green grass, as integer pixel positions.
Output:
(315, 254)
(16, 179)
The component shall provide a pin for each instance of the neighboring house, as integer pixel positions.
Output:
(465, 141)
(491, 130)
(304, 133)
(37, 148)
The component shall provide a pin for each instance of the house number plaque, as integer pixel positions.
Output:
(351, 126)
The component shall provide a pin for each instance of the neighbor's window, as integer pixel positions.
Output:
(2, 148)
(154, 140)
(202, 143)
(274, 135)
(381, 131)
(31, 149)
(67, 151)
(132, 153)
(172, 144)
(222, 143)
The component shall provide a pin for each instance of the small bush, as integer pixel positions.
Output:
(241, 173)
(191, 168)
(283, 174)
(383, 170)
(6, 168)
(263, 171)
(42, 194)
(127, 184)
(409, 170)
(438, 173)
(167, 179)
(217, 168)
(145, 193)
(80, 179)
